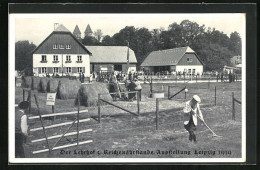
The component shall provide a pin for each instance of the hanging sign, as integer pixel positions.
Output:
(51, 99)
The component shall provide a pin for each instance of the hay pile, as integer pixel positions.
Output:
(88, 94)
(27, 82)
(35, 82)
(43, 84)
(52, 85)
(68, 89)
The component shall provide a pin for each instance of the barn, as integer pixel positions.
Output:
(111, 58)
(61, 53)
(177, 60)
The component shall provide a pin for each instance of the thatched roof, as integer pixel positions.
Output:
(166, 57)
(111, 54)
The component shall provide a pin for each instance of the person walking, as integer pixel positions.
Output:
(192, 110)
(21, 128)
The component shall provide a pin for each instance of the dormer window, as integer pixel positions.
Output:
(189, 59)
(68, 46)
(61, 46)
(55, 46)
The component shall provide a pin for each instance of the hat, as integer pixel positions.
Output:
(196, 98)
(24, 105)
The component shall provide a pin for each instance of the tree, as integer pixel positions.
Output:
(108, 41)
(98, 34)
(89, 40)
(235, 43)
(23, 56)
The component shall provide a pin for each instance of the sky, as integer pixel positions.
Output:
(36, 27)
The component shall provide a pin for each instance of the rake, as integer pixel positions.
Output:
(214, 134)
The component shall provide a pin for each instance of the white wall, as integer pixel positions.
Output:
(49, 57)
(198, 68)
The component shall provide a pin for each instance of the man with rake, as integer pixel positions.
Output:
(192, 110)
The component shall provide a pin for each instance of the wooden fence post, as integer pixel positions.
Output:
(215, 96)
(138, 103)
(169, 87)
(30, 101)
(196, 78)
(36, 100)
(185, 94)
(78, 121)
(23, 95)
(184, 77)
(99, 114)
(208, 82)
(233, 107)
(157, 112)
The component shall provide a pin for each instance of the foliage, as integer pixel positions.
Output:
(23, 56)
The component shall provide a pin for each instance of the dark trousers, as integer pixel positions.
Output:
(19, 150)
(191, 128)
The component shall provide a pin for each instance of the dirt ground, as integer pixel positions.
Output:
(123, 135)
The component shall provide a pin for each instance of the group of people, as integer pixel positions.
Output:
(132, 84)
(81, 77)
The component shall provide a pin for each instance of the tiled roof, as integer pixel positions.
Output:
(76, 30)
(111, 54)
(166, 57)
(88, 29)
(61, 28)
(61, 35)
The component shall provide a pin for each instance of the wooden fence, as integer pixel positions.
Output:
(60, 136)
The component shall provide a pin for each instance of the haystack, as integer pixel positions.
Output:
(43, 84)
(52, 85)
(27, 82)
(35, 82)
(68, 89)
(89, 94)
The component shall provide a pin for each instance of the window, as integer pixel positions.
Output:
(68, 46)
(189, 59)
(80, 69)
(189, 71)
(118, 67)
(185, 70)
(55, 58)
(43, 57)
(61, 46)
(44, 70)
(55, 46)
(193, 71)
(68, 70)
(68, 58)
(79, 58)
(55, 69)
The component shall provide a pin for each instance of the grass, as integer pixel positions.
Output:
(122, 131)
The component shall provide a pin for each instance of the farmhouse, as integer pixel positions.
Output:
(111, 58)
(177, 60)
(61, 53)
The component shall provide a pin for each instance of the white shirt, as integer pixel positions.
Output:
(195, 112)
(24, 126)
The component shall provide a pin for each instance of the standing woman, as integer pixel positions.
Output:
(192, 109)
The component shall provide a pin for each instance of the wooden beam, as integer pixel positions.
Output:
(57, 125)
(58, 136)
(58, 114)
(63, 146)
